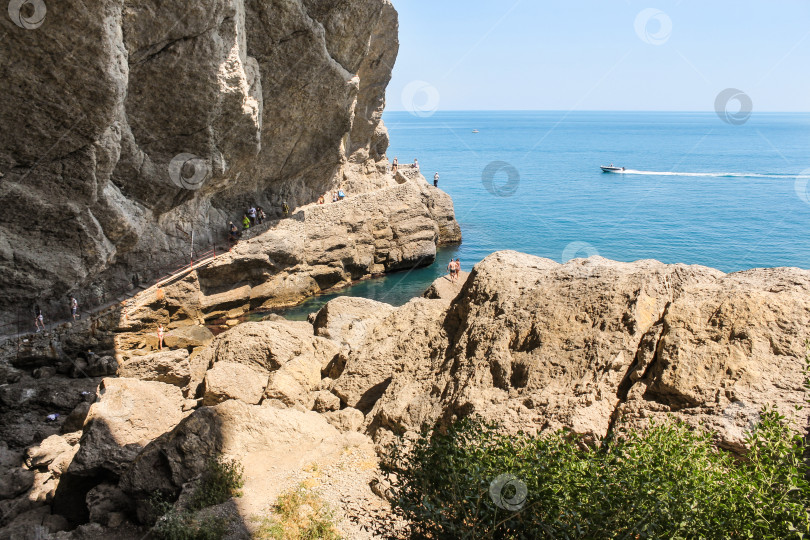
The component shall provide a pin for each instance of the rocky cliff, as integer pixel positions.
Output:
(129, 124)
(522, 340)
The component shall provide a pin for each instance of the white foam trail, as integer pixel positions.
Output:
(715, 175)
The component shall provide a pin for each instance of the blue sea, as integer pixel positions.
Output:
(696, 189)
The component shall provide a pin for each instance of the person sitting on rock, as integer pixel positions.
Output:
(334, 196)
(341, 195)
(320, 199)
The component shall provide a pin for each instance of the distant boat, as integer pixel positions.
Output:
(475, 131)
(611, 168)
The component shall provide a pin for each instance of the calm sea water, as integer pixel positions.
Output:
(697, 190)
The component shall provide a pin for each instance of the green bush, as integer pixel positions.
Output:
(666, 482)
(221, 480)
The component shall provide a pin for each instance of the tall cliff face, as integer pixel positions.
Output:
(128, 124)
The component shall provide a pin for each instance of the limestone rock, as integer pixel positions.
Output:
(230, 380)
(106, 500)
(128, 415)
(132, 172)
(326, 401)
(445, 289)
(34, 524)
(268, 345)
(537, 346)
(348, 419)
(260, 437)
(188, 336)
(348, 319)
(75, 420)
(15, 481)
(170, 367)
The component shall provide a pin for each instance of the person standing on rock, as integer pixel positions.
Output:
(160, 336)
(395, 164)
(245, 222)
(252, 215)
(416, 164)
(39, 322)
(458, 269)
(74, 307)
(233, 233)
(260, 215)
(334, 196)
(285, 209)
(436, 180)
(451, 266)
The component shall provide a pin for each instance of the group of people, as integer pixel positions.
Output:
(255, 215)
(338, 195)
(39, 319)
(454, 267)
(395, 166)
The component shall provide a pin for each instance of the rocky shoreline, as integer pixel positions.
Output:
(522, 340)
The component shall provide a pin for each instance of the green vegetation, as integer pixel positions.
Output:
(299, 514)
(666, 482)
(221, 480)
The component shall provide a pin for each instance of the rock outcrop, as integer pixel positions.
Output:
(131, 125)
(537, 346)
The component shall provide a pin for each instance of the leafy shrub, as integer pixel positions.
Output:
(299, 514)
(221, 480)
(665, 482)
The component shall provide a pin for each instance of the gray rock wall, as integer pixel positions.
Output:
(128, 124)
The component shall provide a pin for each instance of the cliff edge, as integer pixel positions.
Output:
(129, 126)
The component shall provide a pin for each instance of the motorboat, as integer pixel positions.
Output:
(611, 168)
(475, 131)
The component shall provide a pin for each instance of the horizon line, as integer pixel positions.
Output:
(595, 110)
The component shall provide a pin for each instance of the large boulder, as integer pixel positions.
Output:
(128, 414)
(188, 336)
(170, 367)
(231, 380)
(267, 440)
(347, 319)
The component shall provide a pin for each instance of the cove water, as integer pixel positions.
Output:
(696, 190)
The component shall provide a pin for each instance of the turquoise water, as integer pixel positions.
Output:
(698, 190)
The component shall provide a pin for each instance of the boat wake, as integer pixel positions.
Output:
(717, 175)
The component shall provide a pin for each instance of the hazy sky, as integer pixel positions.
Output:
(600, 54)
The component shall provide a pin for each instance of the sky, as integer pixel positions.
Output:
(673, 55)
